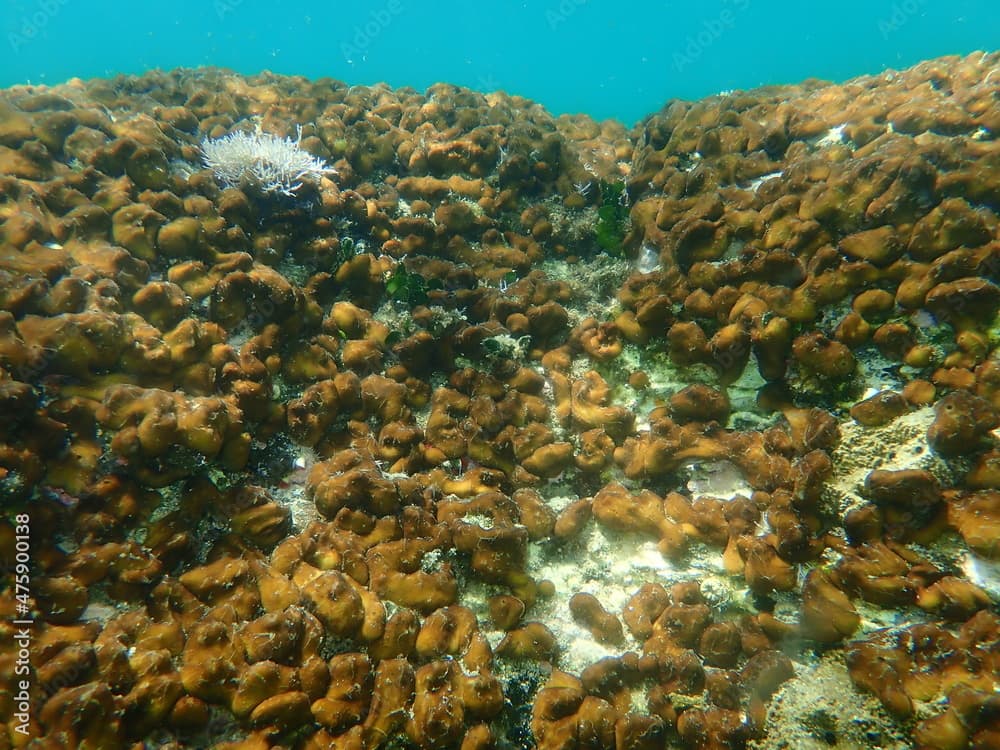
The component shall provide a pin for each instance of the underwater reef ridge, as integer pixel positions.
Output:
(356, 417)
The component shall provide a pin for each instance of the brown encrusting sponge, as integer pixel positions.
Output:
(434, 421)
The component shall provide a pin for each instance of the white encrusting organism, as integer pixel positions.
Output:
(262, 162)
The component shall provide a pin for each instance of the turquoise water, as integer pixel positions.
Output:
(607, 58)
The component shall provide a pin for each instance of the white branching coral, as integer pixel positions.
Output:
(262, 162)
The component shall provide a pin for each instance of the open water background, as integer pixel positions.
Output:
(608, 58)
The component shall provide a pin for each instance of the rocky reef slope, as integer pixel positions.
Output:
(514, 431)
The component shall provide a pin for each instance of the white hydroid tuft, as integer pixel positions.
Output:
(262, 162)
